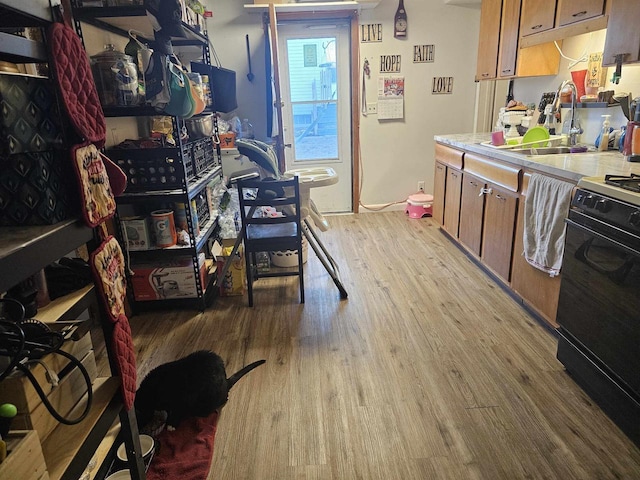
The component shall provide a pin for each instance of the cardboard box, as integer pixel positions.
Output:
(168, 280)
(25, 460)
(235, 279)
(137, 232)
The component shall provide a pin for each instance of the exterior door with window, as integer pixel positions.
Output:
(314, 74)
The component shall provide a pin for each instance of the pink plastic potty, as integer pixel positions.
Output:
(419, 205)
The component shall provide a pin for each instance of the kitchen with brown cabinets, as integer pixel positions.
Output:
(442, 362)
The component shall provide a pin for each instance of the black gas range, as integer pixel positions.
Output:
(599, 305)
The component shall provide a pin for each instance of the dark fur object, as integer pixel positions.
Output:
(193, 386)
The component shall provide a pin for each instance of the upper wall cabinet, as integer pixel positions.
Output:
(544, 21)
(488, 43)
(623, 34)
(537, 16)
(499, 51)
(571, 11)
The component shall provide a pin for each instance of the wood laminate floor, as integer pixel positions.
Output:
(429, 370)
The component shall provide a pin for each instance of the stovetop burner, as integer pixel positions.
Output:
(631, 182)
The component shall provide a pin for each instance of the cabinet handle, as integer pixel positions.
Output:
(484, 191)
(500, 197)
(485, 74)
(536, 27)
(579, 14)
(473, 184)
(508, 70)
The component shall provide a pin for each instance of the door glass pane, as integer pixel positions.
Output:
(314, 95)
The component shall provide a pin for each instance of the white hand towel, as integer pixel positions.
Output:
(545, 208)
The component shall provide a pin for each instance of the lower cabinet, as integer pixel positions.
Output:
(447, 187)
(499, 221)
(439, 180)
(488, 211)
(480, 203)
(471, 212)
(452, 201)
(537, 289)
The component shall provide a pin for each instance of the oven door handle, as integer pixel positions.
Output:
(622, 246)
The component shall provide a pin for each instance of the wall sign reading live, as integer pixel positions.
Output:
(371, 33)
(390, 63)
(442, 85)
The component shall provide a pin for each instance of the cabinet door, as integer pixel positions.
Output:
(499, 226)
(623, 33)
(571, 11)
(509, 38)
(489, 37)
(452, 201)
(471, 212)
(537, 16)
(439, 179)
(537, 288)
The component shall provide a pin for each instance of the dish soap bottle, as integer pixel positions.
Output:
(603, 146)
(549, 121)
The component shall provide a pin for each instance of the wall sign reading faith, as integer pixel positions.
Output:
(389, 63)
(442, 85)
(371, 32)
(424, 53)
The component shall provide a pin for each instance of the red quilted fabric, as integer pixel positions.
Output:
(76, 85)
(125, 359)
(186, 452)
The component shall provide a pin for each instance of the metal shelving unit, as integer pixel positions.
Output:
(25, 250)
(184, 183)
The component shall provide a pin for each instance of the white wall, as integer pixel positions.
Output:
(395, 154)
(530, 89)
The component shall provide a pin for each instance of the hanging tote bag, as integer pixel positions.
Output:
(223, 85)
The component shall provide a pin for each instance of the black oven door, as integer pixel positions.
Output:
(599, 304)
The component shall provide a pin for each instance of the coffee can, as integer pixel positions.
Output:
(164, 228)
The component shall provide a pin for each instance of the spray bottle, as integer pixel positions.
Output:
(603, 146)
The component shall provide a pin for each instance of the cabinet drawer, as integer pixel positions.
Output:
(506, 176)
(449, 156)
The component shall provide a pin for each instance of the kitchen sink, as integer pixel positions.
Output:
(549, 150)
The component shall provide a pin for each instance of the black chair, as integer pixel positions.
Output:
(270, 233)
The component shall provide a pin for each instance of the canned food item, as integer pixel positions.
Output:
(164, 228)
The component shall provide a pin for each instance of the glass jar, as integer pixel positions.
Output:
(116, 77)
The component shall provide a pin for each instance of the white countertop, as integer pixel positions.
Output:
(570, 167)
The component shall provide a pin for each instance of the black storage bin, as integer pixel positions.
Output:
(37, 188)
(151, 168)
(30, 120)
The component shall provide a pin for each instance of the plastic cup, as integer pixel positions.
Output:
(497, 138)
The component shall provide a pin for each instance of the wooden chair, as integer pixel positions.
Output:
(270, 233)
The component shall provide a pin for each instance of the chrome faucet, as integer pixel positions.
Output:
(574, 128)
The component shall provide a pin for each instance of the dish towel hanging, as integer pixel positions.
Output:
(545, 208)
